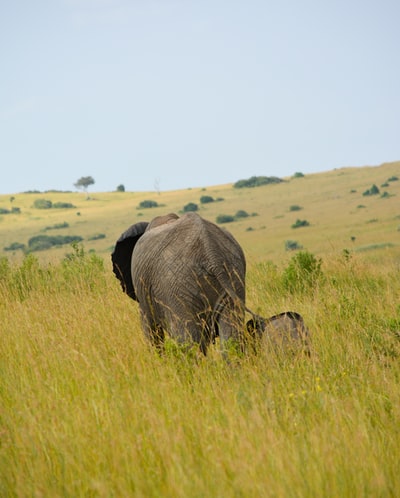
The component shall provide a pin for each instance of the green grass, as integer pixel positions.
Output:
(88, 409)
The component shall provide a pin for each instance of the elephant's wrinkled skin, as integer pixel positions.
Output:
(188, 276)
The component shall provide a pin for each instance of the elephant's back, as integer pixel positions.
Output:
(188, 251)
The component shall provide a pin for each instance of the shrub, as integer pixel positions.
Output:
(374, 190)
(148, 204)
(205, 199)
(393, 179)
(14, 210)
(42, 204)
(43, 242)
(15, 246)
(298, 174)
(97, 236)
(257, 181)
(292, 245)
(300, 223)
(295, 207)
(241, 214)
(302, 273)
(63, 205)
(224, 218)
(121, 188)
(190, 207)
(57, 226)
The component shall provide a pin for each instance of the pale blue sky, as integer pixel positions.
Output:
(185, 93)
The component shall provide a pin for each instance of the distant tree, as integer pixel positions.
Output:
(157, 185)
(121, 188)
(84, 182)
(298, 174)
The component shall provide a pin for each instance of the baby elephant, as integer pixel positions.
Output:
(285, 331)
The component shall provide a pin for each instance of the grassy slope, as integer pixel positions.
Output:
(86, 409)
(326, 198)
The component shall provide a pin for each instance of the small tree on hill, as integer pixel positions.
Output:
(84, 182)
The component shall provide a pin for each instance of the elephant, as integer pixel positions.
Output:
(188, 276)
(285, 331)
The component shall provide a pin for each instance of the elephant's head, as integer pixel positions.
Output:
(122, 255)
(286, 329)
(162, 220)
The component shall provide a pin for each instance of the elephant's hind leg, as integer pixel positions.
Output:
(153, 332)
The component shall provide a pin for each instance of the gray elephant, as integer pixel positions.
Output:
(188, 276)
(283, 332)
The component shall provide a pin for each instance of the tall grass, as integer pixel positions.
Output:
(88, 409)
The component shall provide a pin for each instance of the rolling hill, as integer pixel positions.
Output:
(334, 207)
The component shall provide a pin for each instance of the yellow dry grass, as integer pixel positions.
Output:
(88, 409)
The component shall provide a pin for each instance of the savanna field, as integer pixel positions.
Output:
(88, 409)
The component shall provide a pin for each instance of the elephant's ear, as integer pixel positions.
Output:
(122, 255)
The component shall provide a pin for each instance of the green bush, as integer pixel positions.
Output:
(121, 188)
(224, 218)
(257, 181)
(292, 245)
(97, 236)
(295, 207)
(57, 226)
(302, 273)
(205, 199)
(374, 190)
(43, 242)
(298, 174)
(15, 246)
(63, 205)
(148, 204)
(190, 207)
(300, 223)
(393, 179)
(42, 204)
(241, 214)
(4, 210)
